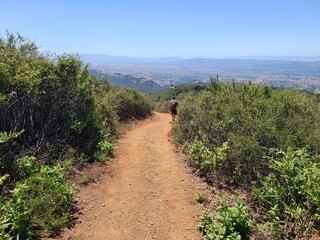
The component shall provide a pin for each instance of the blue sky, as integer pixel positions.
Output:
(166, 28)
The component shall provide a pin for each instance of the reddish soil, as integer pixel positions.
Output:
(146, 191)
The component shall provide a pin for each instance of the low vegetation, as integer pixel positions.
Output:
(53, 113)
(251, 119)
(230, 222)
(55, 116)
(289, 196)
(41, 202)
(202, 198)
(261, 138)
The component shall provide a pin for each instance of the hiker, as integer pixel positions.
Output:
(173, 108)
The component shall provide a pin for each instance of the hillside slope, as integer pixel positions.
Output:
(118, 79)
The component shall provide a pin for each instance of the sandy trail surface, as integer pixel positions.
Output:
(146, 191)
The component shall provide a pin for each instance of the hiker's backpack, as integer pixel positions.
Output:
(173, 104)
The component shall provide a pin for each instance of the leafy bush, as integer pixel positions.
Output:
(84, 180)
(129, 104)
(50, 99)
(27, 167)
(202, 198)
(42, 202)
(230, 222)
(105, 149)
(66, 116)
(106, 113)
(290, 195)
(250, 118)
(57, 103)
(7, 163)
(207, 159)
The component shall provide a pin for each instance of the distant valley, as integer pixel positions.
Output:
(139, 83)
(153, 74)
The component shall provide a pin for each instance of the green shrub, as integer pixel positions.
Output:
(84, 180)
(7, 161)
(105, 149)
(290, 195)
(57, 103)
(65, 114)
(207, 159)
(27, 167)
(51, 99)
(14, 217)
(129, 104)
(230, 222)
(250, 118)
(106, 113)
(202, 198)
(42, 203)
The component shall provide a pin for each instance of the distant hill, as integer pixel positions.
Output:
(100, 60)
(108, 60)
(289, 72)
(139, 83)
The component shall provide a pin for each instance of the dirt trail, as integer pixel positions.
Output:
(147, 191)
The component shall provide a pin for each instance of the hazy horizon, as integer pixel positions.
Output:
(281, 58)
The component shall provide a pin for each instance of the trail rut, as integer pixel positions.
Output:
(146, 191)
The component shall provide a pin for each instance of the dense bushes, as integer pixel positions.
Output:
(57, 104)
(53, 110)
(290, 195)
(41, 202)
(129, 103)
(250, 118)
(51, 100)
(230, 223)
(207, 159)
(233, 130)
